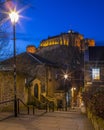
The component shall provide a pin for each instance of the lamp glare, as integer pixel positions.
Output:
(14, 17)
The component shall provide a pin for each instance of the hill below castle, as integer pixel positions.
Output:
(62, 55)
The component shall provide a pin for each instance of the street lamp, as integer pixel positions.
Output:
(14, 18)
(65, 77)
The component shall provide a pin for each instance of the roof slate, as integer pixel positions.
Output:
(26, 62)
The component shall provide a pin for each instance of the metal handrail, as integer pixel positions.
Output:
(50, 104)
(18, 101)
(39, 102)
(6, 101)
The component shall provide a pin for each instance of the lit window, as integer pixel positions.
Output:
(96, 74)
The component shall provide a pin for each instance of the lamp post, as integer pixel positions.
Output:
(14, 18)
(65, 77)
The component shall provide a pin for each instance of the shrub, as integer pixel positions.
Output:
(94, 100)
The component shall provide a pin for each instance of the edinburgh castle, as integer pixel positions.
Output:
(69, 39)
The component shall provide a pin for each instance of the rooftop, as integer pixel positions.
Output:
(96, 53)
(26, 63)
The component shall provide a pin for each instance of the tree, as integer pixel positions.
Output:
(4, 39)
(4, 25)
(93, 99)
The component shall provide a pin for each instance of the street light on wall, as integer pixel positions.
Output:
(14, 18)
(73, 89)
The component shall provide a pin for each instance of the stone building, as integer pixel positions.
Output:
(36, 79)
(94, 67)
(69, 39)
(33, 72)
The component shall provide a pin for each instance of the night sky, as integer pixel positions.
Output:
(52, 17)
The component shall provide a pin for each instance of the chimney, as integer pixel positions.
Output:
(31, 49)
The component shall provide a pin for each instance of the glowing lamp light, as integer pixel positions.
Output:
(14, 16)
(65, 76)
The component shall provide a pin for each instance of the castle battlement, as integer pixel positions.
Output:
(69, 39)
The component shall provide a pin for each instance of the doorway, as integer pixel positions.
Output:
(36, 90)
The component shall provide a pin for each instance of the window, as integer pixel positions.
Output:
(96, 74)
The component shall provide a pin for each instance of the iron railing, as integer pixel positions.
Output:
(23, 104)
(7, 107)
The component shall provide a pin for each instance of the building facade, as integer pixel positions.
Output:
(94, 67)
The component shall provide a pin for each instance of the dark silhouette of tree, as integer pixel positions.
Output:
(5, 5)
(4, 39)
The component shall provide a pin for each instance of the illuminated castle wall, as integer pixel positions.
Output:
(71, 38)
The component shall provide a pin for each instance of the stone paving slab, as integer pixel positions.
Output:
(59, 120)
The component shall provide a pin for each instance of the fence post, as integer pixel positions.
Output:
(53, 106)
(18, 106)
(33, 110)
(46, 107)
(28, 110)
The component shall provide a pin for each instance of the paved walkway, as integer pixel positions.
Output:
(59, 120)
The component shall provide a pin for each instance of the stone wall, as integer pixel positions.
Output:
(7, 87)
(97, 122)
